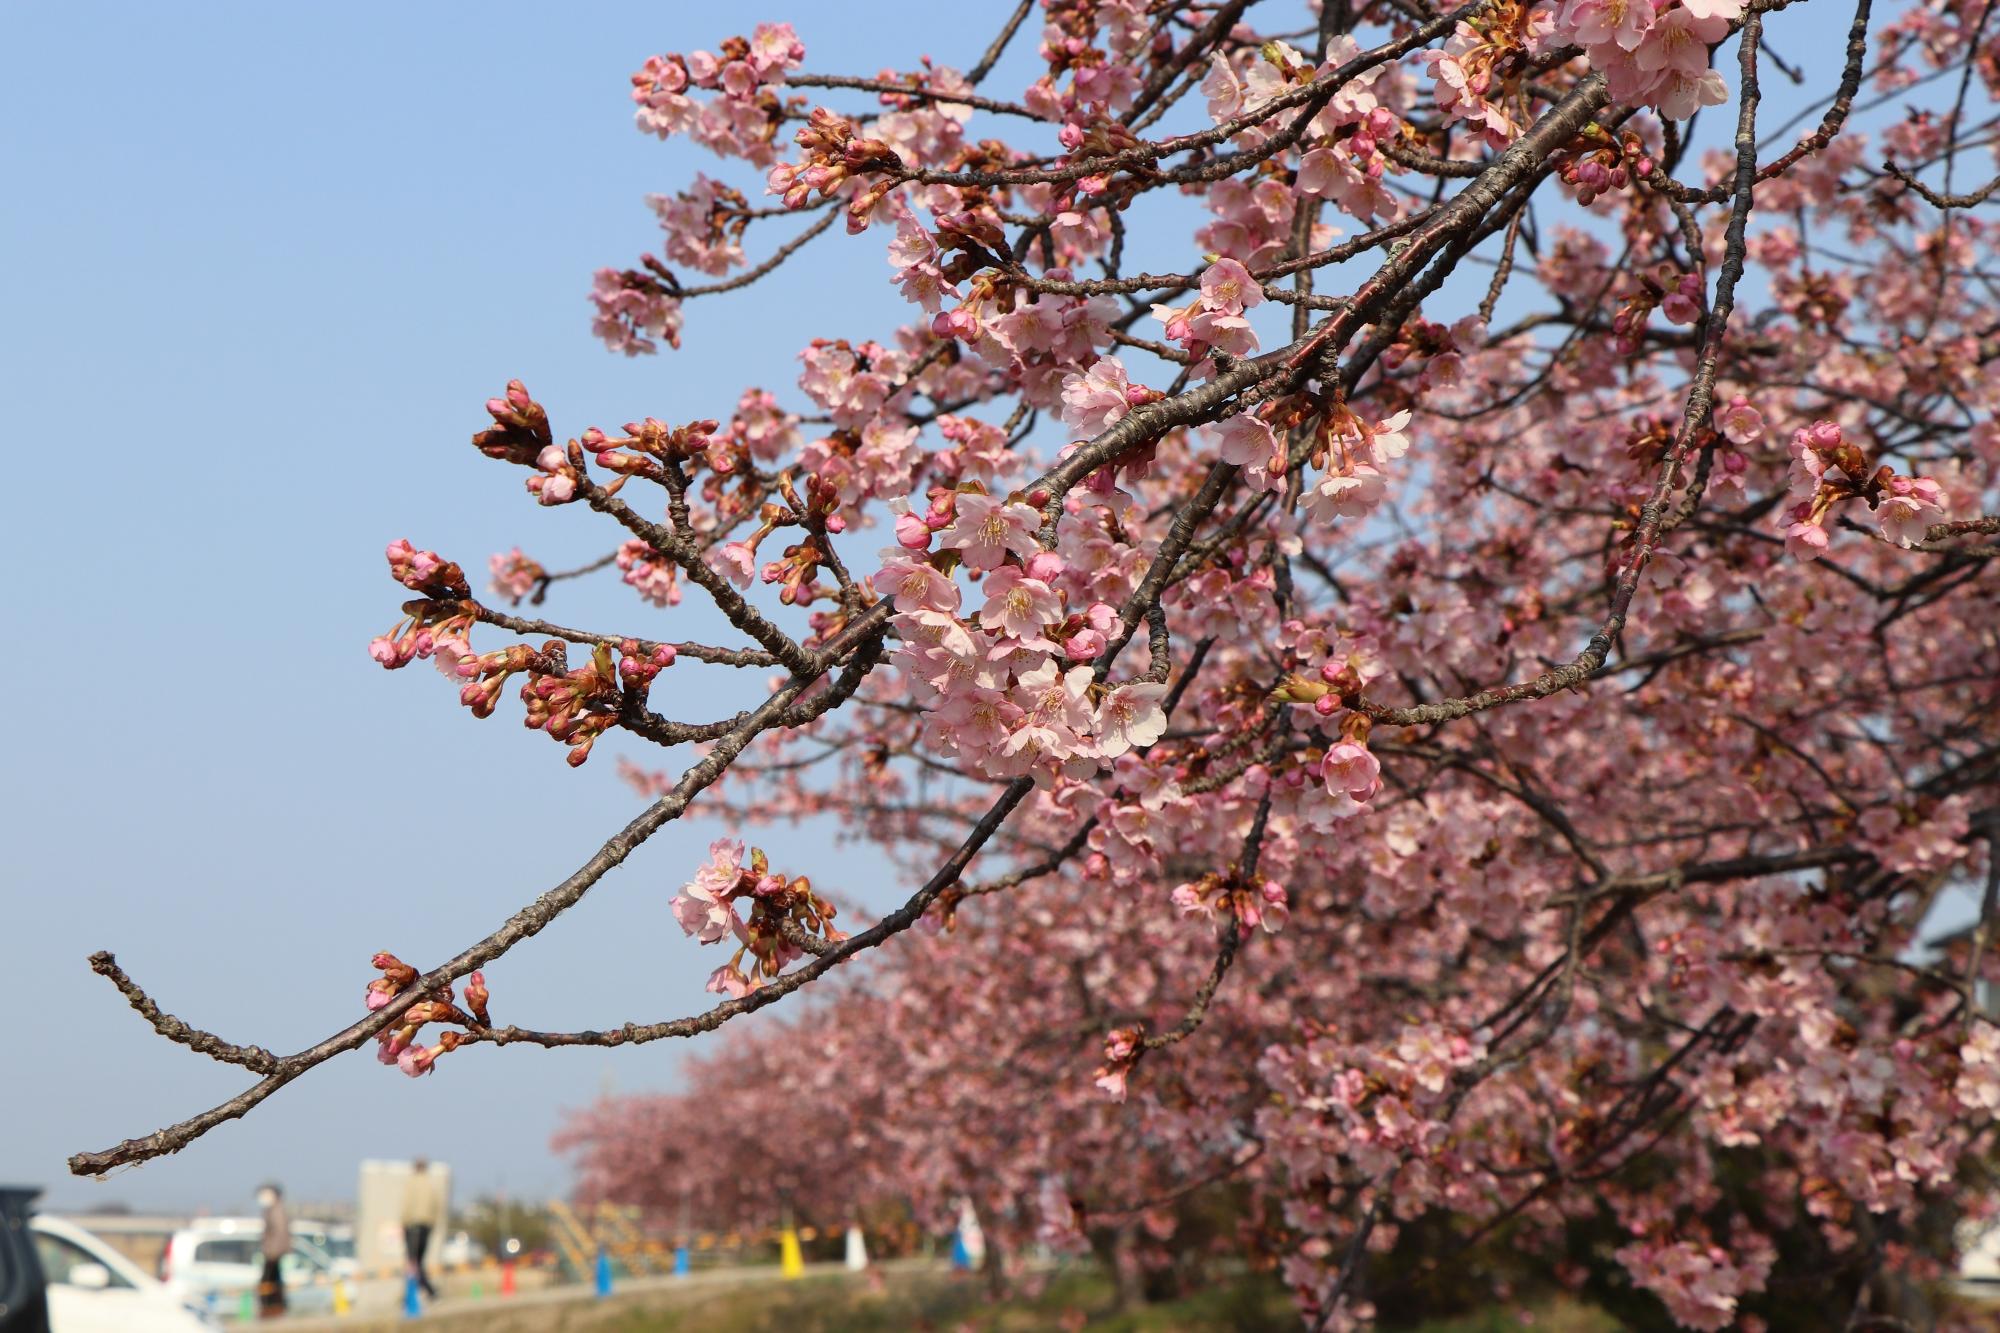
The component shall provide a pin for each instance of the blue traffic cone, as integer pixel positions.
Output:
(603, 1273)
(413, 1297)
(680, 1261)
(961, 1258)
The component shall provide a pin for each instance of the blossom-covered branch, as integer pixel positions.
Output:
(1469, 670)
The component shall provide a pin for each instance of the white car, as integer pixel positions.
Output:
(94, 1289)
(336, 1239)
(213, 1262)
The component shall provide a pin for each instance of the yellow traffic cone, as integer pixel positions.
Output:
(341, 1304)
(791, 1263)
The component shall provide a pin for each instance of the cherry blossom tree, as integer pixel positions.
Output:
(1421, 640)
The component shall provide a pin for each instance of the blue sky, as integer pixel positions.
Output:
(264, 266)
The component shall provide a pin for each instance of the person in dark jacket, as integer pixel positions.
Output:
(275, 1245)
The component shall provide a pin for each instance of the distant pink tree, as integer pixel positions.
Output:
(1463, 679)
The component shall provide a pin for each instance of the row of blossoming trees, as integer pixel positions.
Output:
(1419, 736)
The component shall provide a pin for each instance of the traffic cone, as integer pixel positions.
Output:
(341, 1303)
(413, 1297)
(791, 1263)
(681, 1260)
(857, 1250)
(246, 1309)
(507, 1278)
(603, 1272)
(478, 1291)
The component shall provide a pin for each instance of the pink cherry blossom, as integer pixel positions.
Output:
(1913, 504)
(1739, 422)
(1349, 768)
(916, 585)
(703, 907)
(1245, 441)
(1130, 717)
(1094, 399)
(1017, 604)
(987, 529)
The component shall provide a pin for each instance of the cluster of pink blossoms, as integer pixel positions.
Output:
(703, 224)
(633, 310)
(1226, 899)
(1103, 66)
(1353, 483)
(1384, 1108)
(1342, 163)
(434, 626)
(573, 705)
(515, 576)
(742, 117)
(1653, 55)
(1216, 319)
(398, 1045)
(1699, 1284)
(1828, 470)
(1012, 693)
(1470, 83)
(649, 574)
(706, 909)
(1350, 451)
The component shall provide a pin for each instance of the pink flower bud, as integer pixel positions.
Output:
(912, 533)
(1084, 645)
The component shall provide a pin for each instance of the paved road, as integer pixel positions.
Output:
(379, 1304)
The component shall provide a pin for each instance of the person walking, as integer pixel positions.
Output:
(274, 1245)
(421, 1205)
